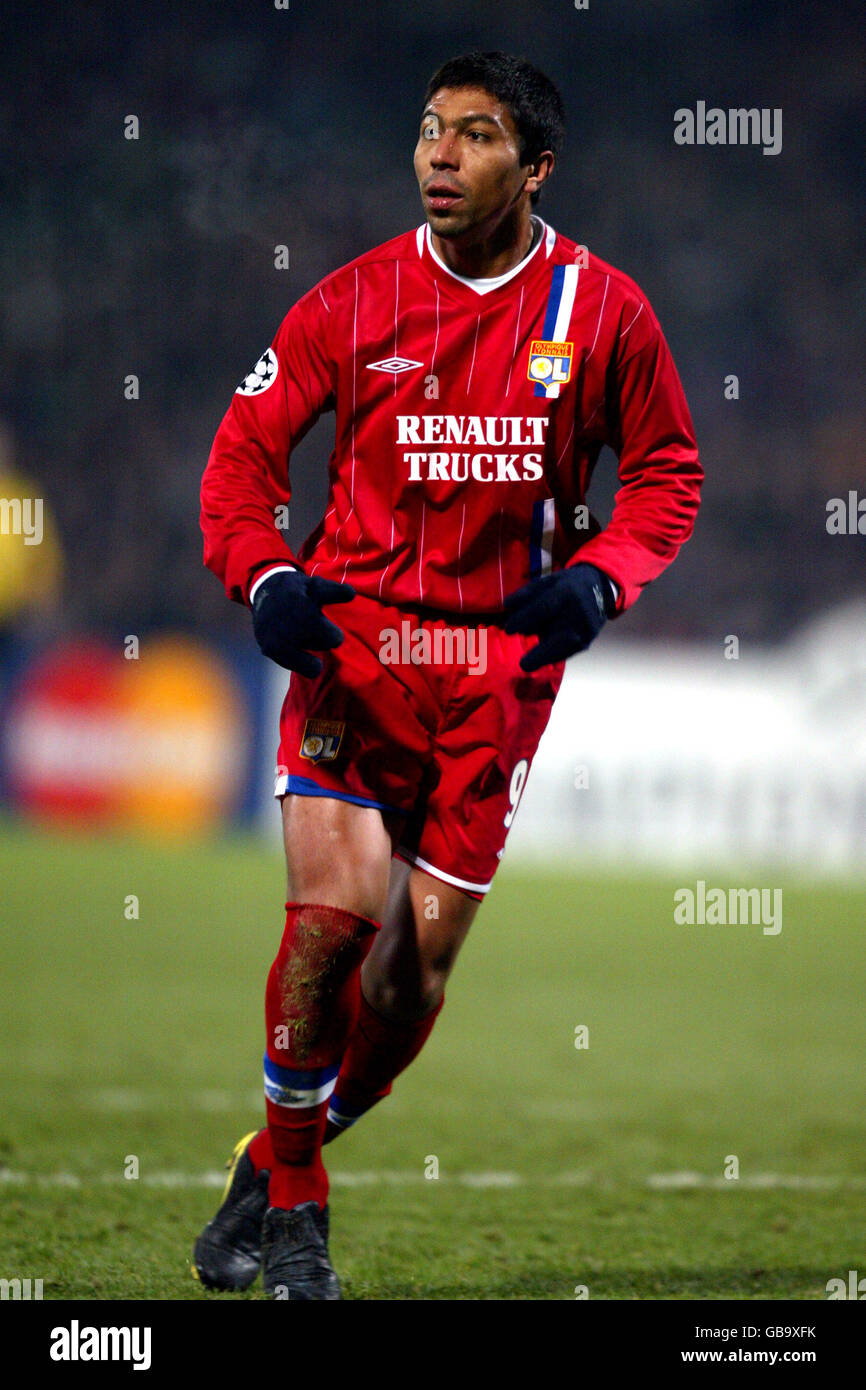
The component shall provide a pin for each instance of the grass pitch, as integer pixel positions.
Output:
(132, 1062)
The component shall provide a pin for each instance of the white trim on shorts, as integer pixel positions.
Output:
(440, 873)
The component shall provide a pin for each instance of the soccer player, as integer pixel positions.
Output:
(476, 367)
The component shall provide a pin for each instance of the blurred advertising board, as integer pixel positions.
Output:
(157, 736)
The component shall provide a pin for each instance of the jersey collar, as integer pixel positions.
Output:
(545, 238)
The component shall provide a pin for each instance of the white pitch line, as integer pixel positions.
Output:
(124, 1100)
(660, 1182)
(678, 1182)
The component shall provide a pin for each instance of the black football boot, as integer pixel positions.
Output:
(228, 1253)
(295, 1260)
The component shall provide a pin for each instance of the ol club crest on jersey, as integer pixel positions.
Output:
(549, 363)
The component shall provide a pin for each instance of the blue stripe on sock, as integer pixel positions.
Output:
(345, 1111)
(296, 1080)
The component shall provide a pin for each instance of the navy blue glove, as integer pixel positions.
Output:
(566, 611)
(288, 619)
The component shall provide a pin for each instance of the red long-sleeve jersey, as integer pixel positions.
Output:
(468, 425)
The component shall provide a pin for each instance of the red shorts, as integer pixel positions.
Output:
(425, 717)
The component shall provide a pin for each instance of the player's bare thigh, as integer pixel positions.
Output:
(337, 853)
(424, 925)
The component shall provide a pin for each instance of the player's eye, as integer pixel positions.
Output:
(429, 132)
(478, 136)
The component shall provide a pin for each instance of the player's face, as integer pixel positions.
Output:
(467, 162)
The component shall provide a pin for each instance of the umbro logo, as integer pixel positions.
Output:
(393, 364)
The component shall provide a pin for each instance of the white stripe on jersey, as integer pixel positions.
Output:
(396, 305)
(516, 335)
(501, 588)
(547, 535)
(567, 442)
(566, 303)
(459, 548)
(563, 314)
(421, 552)
(631, 325)
(592, 349)
(598, 325)
(390, 553)
(354, 403)
(436, 339)
(474, 350)
(324, 519)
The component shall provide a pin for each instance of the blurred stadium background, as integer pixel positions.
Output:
(720, 727)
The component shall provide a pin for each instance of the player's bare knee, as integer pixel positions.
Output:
(431, 991)
(401, 1002)
(352, 893)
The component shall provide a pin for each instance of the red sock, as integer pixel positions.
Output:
(311, 1005)
(378, 1051)
(261, 1151)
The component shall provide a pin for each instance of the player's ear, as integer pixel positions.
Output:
(540, 171)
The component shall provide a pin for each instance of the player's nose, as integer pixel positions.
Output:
(444, 154)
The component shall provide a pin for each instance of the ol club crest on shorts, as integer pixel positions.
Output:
(321, 739)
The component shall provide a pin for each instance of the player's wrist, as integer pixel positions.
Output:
(610, 590)
(288, 621)
(263, 575)
(565, 610)
(611, 593)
